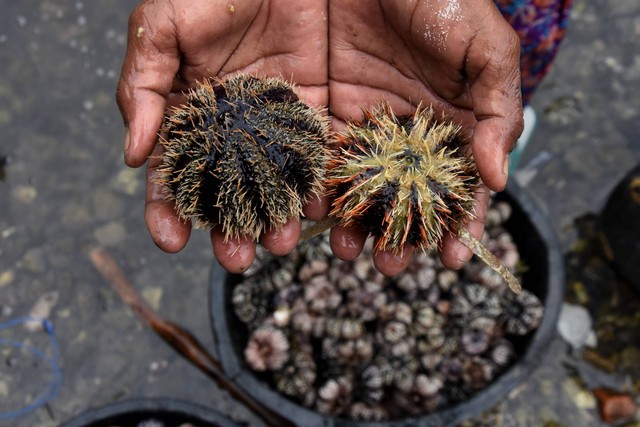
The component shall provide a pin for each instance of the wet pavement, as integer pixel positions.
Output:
(64, 188)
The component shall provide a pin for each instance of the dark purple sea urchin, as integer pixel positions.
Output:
(244, 153)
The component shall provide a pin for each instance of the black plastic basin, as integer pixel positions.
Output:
(544, 277)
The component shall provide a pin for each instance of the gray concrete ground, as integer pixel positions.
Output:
(64, 187)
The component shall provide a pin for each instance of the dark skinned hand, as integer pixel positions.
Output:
(174, 43)
(461, 57)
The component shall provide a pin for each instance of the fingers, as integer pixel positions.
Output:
(494, 74)
(150, 65)
(347, 242)
(237, 255)
(453, 253)
(316, 208)
(392, 263)
(167, 230)
(281, 242)
(234, 255)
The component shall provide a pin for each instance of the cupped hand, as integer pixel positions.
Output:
(174, 43)
(458, 56)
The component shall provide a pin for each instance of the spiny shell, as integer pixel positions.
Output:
(335, 395)
(362, 411)
(298, 375)
(244, 153)
(268, 348)
(523, 313)
(405, 179)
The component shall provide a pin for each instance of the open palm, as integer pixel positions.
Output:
(174, 43)
(460, 57)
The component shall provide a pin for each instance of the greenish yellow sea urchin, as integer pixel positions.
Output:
(404, 178)
(244, 153)
(407, 180)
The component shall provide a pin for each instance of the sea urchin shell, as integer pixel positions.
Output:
(268, 348)
(244, 153)
(405, 179)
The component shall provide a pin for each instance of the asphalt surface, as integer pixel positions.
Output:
(65, 188)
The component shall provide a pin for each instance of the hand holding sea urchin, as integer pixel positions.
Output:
(407, 180)
(244, 153)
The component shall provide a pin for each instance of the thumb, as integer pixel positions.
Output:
(151, 63)
(493, 69)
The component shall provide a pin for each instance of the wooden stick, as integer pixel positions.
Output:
(323, 225)
(483, 253)
(177, 337)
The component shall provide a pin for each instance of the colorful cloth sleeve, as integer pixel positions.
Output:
(541, 26)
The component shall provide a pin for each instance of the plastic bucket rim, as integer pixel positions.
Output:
(162, 404)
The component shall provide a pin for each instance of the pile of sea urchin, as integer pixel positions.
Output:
(341, 338)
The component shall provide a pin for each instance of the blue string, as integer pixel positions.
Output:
(53, 387)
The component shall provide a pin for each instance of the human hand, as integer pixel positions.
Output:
(459, 56)
(174, 43)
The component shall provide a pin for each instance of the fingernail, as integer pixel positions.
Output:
(127, 141)
(505, 167)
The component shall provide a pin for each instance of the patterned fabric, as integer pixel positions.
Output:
(541, 26)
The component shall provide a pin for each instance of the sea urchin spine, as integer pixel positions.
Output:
(244, 153)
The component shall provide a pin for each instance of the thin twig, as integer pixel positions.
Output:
(177, 337)
(318, 227)
(483, 253)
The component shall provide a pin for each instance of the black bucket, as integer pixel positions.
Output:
(620, 222)
(133, 413)
(544, 277)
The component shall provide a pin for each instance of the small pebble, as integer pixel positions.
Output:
(6, 310)
(25, 193)
(575, 325)
(615, 406)
(41, 310)
(584, 399)
(152, 296)
(110, 234)
(6, 277)
(128, 181)
(34, 260)
(4, 389)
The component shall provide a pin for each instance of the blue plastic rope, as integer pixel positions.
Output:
(53, 387)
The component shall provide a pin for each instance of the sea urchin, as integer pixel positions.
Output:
(244, 153)
(407, 180)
